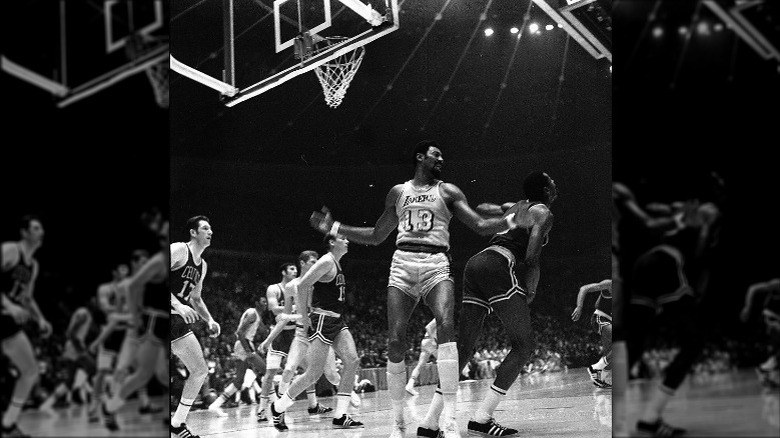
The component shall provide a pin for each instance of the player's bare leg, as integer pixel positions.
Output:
(19, 350)
(441, 301)
(399, 308)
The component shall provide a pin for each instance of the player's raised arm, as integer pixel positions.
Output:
(494, 210)
(471, 218)
(543, 222)
(387, 222)
(586, 289)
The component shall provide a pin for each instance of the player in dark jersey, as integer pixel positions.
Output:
(665, 286)
(503, 278)
(17, 280)
(108, 342)
(326, 328)
(769, 370)
(147, 302)
(188, 270)
(420, 209)
(601, 321)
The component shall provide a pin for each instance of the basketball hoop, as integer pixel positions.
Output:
(156, 73)
(336, 74)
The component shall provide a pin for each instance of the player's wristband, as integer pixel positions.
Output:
(334, 230)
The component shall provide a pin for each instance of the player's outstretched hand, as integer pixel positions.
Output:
(575, 316)
(214, 329)
(188, 313)
(45, 328)
(321, 220)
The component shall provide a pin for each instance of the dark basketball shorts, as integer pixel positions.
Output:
(114, 341)
(325, 328)
(179, 328)
(8, 326)
(490, 277)
(154, 326)
(658, 279)
(281, 345)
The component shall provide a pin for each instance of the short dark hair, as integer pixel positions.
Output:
(192, 223)
(422, 148)
(534, 185)
(283, 267)
(326, 241)
(304, 256)
(26, 220)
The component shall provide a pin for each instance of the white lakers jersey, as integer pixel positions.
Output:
(423, 216)
(250, 334)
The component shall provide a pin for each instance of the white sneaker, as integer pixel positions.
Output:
(410, 388)
(450, 430)
(217, 410)
(399, 431)
(354, 400)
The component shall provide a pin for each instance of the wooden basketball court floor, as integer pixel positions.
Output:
(557, 404)
(727, 405)
(72, 422)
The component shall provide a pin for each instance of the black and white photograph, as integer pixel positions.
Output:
(84, 207)
(387, 218)
(696, 86)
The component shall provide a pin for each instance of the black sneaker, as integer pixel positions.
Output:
(424, 432)
(346, 422)
(109, 419)
(14, 431)
(93, 416)
(182, 432)
(595, 376)
(262, 416)
(658, 429)
(149, 409)
(491, 428)
(319, 409)
(278, 419)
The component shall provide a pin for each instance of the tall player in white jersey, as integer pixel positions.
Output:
(247, 354)
(17, 280)
(421, 210)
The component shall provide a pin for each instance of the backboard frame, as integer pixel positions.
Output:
(572, 25)
(231, 95)
(60, 87)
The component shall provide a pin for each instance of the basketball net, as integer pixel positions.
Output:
(336, 74)
(156, 73)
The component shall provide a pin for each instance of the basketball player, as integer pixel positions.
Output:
(421, 209)
(244, 350)
(296, 357)
(601, 321)
(117, 343)
(769, 370)
(189, 268)
(660, 285)
(428, 347)
(75, 355)
(147, 301)
(109, 341)
(627, 212)
(17, 282)
(503, 278)
(326, 327)
(127, 360)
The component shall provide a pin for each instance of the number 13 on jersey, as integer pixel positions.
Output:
(418, 220)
